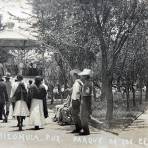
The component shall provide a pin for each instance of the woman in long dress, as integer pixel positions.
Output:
(38, 108)
(20, 96)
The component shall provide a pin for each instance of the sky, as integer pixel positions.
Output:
(17, 8)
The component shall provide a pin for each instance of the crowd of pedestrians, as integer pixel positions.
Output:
(30, 101)
(27, 101)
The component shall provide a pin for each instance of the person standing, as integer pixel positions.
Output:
(21, 67)
(8, 84)
(85, 107)
(75, 99)
(8, 87)
(3, 96)
(15, 84)
(38, 105)
(44, 83)
(21, 100)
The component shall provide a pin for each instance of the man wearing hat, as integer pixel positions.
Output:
(75, 99)
(3, 96)
(85, 107)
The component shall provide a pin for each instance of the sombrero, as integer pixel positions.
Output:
(74, 71)
(86, 72)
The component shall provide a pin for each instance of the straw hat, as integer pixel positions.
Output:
(86, 72)
(74, 71)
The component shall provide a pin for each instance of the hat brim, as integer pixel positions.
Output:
(83, 74)
(74, 71)
(86, 74)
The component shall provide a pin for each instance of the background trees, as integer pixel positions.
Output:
(108, 35)
(3, 53)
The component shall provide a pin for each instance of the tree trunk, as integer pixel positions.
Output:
(146, 93)
(102, 97)
(140, 87)
(104, 78)
(118, 84)
(127, 98)
(140, 99)
(51, 93)
(109, 97)
(134, 97)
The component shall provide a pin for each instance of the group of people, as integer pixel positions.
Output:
(30, 101)
(26, 101)
(77, 107)
(81, 99)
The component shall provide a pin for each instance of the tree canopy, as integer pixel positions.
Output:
(108, 36)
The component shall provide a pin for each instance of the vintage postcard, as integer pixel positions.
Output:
(74, 73)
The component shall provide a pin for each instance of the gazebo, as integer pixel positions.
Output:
(11, 39)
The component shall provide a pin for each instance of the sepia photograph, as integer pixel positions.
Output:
(73, 73)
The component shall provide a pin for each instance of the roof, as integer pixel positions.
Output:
(10, 38)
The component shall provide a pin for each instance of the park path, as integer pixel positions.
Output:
(138, 130)
(55, 136)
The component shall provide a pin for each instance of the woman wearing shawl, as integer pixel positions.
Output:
(20, 99)
(38, 105)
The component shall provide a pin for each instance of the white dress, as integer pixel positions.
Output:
(21, 109)
(37, 113)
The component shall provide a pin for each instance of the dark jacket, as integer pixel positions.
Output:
(3, 93)
(86, 99)
(87, 89)
(38, 93)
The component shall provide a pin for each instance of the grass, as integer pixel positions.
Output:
(121, 116)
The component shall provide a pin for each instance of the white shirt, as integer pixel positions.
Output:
(76, 89)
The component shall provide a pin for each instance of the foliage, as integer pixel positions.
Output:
(3, 55)
(3, 52)
(81, 29)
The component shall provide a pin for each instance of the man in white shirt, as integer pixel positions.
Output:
(75, 100)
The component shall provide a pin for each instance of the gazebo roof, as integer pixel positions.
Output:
(11, 38)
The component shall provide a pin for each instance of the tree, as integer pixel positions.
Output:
(131, 64)
(114, 22)
(81, 28)
(3, 52)
(59, 26)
